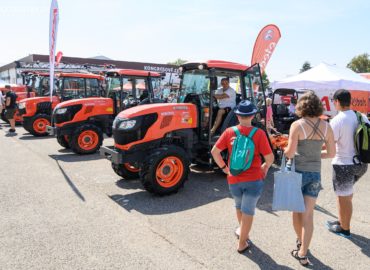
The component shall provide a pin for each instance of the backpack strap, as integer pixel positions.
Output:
(253, 131)
(236, 130)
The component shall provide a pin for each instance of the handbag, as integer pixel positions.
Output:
(288, 194)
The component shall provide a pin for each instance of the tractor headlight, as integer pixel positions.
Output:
(21, 105)
(127, 124)
(61, 111)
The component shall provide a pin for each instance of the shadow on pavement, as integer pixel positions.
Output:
(362, 242)
(70, 183)
(324, 211)
(316, 263)
(30, 137)
(207, 188)
(263, 260)
(72, 157)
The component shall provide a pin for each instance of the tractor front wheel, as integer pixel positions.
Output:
(86, 139)
(165, 170)
(38, 125)
(126, 171)
(63, 140)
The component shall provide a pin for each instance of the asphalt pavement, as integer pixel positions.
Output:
(63, 211)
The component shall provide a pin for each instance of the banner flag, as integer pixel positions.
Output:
(53, 31)
(265, 45)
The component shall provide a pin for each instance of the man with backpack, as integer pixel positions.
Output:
(245, 170)
(348, 166)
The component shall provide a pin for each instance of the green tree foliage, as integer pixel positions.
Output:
(177, 62)
(265, 80)
(306, 66)
(360, 63)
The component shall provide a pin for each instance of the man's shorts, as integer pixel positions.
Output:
(9, 114)
(345, 176)
(311, 183)
(246, 195)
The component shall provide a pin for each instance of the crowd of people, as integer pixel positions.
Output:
(311, 139)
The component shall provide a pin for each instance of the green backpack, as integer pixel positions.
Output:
(242, 152)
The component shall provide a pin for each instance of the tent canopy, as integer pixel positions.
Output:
(325, 77)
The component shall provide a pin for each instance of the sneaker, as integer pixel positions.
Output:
(11, 130)
(331, 223)
(337, 229)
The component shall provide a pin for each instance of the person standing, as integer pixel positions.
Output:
(226, 97)
(1, 103)
(10, 107)
(306, 138)
(246, 188)
(269, 115)
(346, 171)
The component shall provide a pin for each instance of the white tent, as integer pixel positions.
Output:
(325, 77)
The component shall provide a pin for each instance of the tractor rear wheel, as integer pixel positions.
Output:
(86, 139)
(126, 171)
(63, 140)
(165, 170)
(38, 125)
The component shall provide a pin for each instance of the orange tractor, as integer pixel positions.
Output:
(81, 124)
(158, 142)
(36, 111)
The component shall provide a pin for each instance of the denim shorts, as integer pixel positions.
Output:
(311, 183)
(246, 195)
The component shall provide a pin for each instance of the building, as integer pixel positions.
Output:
(11, 72)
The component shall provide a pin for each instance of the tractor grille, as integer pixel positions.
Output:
(44, 107)
(68, 115)
(123, 137)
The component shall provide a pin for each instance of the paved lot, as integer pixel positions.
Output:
(63, 211)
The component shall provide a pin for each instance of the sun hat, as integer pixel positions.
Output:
(245, 108)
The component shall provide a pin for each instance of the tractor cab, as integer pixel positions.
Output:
(199, 83)
(129, 88)
(283, 108)
(158, 142)
(36, 82)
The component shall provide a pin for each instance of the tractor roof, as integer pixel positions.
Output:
(81, 75)
(132, 72)
(219, 64)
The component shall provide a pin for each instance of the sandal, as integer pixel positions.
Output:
(294, 253)
(244, 249)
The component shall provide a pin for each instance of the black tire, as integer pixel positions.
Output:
(3, 117)
(63, 142)
(149, 168)
(38, 117)
(74, 140)
(124, 172)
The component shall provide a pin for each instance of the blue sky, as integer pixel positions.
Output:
(163, 30)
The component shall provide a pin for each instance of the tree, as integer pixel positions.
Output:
(360, 63)
(265, 80)
(306, 66)
(177, 62)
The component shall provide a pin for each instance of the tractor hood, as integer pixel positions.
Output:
(93, 101)
(159, 108)
(38, 100)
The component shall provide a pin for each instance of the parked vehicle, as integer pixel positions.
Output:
(158, 142)
(36, 111)
(81, 124)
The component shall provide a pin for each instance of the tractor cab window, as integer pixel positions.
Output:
(141, 90)
(194, 82)
(73, 88)
(92, 87)
(156, 86)
(42, 85)
(255, 91)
